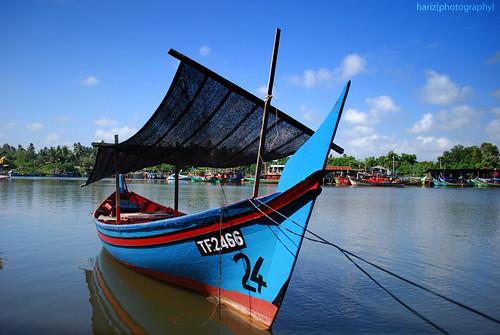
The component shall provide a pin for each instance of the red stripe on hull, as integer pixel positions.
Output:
(276, 204)
(257, 310)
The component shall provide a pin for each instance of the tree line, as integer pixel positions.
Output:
(485, 156)
(78, 160)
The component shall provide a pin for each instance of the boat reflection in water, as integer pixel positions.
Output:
(126, 302)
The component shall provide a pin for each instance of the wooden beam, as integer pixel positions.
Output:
(265, 116)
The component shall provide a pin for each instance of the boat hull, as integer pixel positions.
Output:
(243, 258)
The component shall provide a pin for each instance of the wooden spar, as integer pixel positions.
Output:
(117, 184)
(176, 188)
(265, 116)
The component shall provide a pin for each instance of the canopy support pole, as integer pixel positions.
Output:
(176, 188)
(117, 184)
(265, 116)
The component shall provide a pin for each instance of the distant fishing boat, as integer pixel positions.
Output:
(378, 183)
(196, 179)
(440, 181)
(180, 177)
(485, 182)
(342, 181)
(242, 254)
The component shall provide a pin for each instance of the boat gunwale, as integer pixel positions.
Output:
(300, 190)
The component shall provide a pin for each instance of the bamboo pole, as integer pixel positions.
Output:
(265, 116)
(117, 184)
(176, 188)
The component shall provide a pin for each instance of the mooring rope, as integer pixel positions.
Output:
(349, 254)
(274, 233)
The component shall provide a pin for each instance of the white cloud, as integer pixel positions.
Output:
(90, 81)
(34, 126)
(382, 104)
(440, 90)
(361, 130)
(355, 116)
(307, 113)
(105, 122)
(261, 91)
(364, 141)
(430, 147)
(493, 130)
(495, 58)
(52, 139)
(441, 143)
(457, 118)
(311, 78)
(424, 124)
(109, 136)
(204, 50)
(352, 65)
(496, 93)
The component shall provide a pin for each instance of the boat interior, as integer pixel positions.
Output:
(133, 209)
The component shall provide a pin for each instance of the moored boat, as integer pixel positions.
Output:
(241, 254)
(379, 183)
(485, 182)
(180, 176)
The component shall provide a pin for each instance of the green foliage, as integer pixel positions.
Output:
(80, 159)
(344, 160)
(459, 157)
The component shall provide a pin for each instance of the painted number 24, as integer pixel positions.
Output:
(254, 276)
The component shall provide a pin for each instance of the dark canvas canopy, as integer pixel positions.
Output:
(204, 120)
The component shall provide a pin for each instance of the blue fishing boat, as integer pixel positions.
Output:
(242, 255)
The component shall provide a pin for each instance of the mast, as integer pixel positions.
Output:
(117, 184)
(265, 116)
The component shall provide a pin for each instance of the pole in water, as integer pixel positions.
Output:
(265, 116)
(176, 188)
(117, 184)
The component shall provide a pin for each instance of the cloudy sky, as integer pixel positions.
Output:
(422, 81)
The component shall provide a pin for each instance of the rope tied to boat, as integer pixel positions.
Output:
(274, 233)
(350, 255)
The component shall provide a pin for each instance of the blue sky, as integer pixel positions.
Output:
(422, 81)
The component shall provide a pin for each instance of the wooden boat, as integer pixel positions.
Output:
(181, 177)
(485, 182)
(262, 180)
(232, 178)
(242, 254)
(413, 181)
(440, 182)
(365, 182)
(196, 179)
(342, 180)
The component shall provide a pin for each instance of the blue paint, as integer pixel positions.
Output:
(312, 156)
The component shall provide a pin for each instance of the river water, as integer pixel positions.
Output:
(56, 279)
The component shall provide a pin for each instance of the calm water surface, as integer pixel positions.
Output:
(56, 279)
